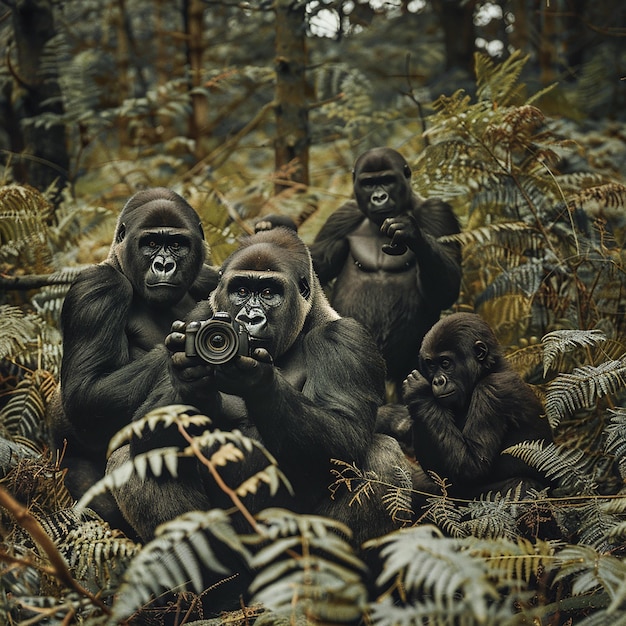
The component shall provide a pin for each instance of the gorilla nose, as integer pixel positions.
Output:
(379, 198)
(439, 381)
(163, 267)
(253, 319)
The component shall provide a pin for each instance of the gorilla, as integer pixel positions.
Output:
(467, 405)
(113, 317)
(390, 271)
(307, 386)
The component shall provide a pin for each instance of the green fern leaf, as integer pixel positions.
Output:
(428, 563)
(580, 389)
(153, 459)
(166, 416)
(176, 559)
(569, 467)
(561, 341)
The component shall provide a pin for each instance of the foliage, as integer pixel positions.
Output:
(543, 263)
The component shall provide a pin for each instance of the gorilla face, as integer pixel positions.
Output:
(453, 358)
(265, 288)
(382, 184)
(159, 247)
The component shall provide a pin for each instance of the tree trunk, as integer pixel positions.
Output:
(44, 147)
(292, 116)
(193, 15)
(457, 21)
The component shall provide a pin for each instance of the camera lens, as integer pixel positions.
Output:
(217, 342)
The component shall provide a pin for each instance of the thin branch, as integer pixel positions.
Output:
(34, 281)
(30, 524)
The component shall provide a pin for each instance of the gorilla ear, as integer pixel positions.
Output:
(121, 233)
(304, 288)
(481, 351)
(407, 171)
(201, 229)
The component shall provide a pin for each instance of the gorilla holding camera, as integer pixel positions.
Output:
(268, 355)
(381, 249)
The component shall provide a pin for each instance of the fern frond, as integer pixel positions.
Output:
(615, 432)
(499, 82)
(23, 229)
(232, 446)
(517, 236)
(429, 564)
(493, 515)
(176, 558)
(526, 360)
(514, 560)
(398, 501)
(16, 330)
(560, 341)
(96, 554)
(590, 572)
(155, 460)
(526, 278)
(580, 389)
(598, 520)
(444, 513)
(24, 413)
(173, 414)
(571, 468)
(309, 569)
(594, 199)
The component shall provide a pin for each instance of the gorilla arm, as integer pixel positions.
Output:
(463, 452)
(330, 249)
(100, 383)
(333, 416)
(438, 264)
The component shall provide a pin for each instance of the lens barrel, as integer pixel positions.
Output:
(217, 342)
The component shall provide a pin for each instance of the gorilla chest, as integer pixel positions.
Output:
(145, 332)
(366, 251)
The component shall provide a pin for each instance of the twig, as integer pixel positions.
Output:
(29, 523)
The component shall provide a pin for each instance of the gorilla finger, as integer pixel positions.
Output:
(178, 326)
(175, 341)
(181, 361)
(263, 356)
(192, 374)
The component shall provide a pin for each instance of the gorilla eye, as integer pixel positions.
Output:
(446, 364)
(175, 245)
(152, 243)
(242, 292)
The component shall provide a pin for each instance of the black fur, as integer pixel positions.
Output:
(468, 405)
(315, 401)
(112, 322)
(395, 292)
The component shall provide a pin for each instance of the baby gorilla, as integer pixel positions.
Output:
(468, 405)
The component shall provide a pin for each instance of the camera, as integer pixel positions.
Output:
(217, 340)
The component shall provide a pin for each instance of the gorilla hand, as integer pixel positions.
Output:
(413, 386)
(244, 374)
(403, 231)
(191, 373)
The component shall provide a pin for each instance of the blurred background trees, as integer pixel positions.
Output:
(88, 89)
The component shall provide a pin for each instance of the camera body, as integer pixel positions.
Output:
(217, 340)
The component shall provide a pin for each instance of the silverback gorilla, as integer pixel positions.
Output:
(391, 272)
(113, 317)
(309, 392)
(468, 405)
